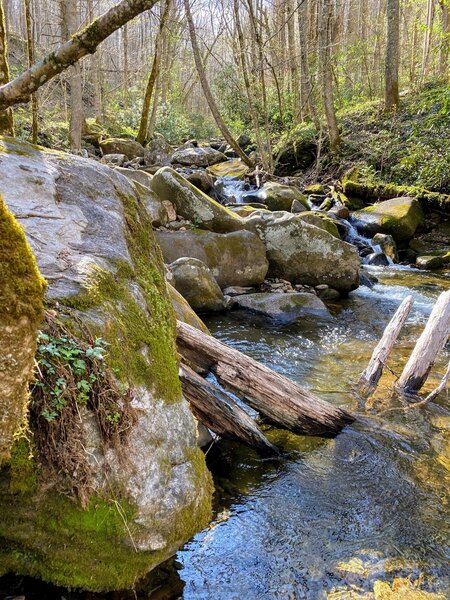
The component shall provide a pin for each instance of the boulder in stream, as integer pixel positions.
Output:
(143, 495)
(197, 157)
(196, 284)
(231, 168)
(285, 308)
(399, 217)
(130, 148)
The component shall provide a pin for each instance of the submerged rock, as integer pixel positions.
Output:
(93, 241)
(282, 307)
(196, 284)
(237, 258)
(198, 157)
(399, 217)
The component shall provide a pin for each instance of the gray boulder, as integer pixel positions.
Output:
(198, 157)
(399, 217)
(196, 284)
(158, 151)
(303, 253)
(130, 148)
(235, 259)
(283, 307)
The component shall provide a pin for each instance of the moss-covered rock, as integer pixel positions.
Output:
(92, 238)
(21, 309)
(277, 196)
(193, 204)
(321, 220)
(196, 284)
(436, 260)
(231, 168)
(197, 157)
(399, 217)
(237, 258)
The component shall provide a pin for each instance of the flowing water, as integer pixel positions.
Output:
(332, 516)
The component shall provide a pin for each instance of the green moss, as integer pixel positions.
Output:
(23, 470)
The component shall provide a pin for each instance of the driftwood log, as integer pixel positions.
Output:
(280, 400)
(220, 413)
(370, 377)
(430, 343)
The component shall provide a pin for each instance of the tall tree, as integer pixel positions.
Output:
(327, 72)
(391, 95)
(30, 49)
(445, 41)
(207, 90)
(7, 116)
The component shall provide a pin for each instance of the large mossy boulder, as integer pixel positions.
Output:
(197, 157)
(235, 259)
(303, 253)
(196, 284)
(321, 220)
(280, 197)
(399, 217)
(93, 242)
(21, 310)
(130, 148)
(235, 169)
(192, 204)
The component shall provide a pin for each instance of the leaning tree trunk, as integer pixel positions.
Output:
(6, 116)
(207, 90)
(81, 44)
(30, 48)
(391, 94)
(153, 77)
(327, 73)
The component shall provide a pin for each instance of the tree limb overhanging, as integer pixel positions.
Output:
(81, 44)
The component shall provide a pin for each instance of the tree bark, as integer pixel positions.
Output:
(152, 79)
(207, 90)
(6, 116)
(370, 377)
(220, 413)
(276, 397)
(30, 48)
(83, 43)
(427, 40)
(445, 42)
(327, 73)
(391, 95)
(431, 342)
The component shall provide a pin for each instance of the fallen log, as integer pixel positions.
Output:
(430, 343)
(370, 377)
(273, 395)
(220, 413)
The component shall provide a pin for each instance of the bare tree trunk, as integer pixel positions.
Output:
(207, 90)
(371, 375)
(430, 343)
(126, 75)
(427, 40)
(96, 68)
(327, 73)
(445, 42)
(70, 24)
(6, 116)
(293, 66)
(83, 43)
(307, 106)
(392, 97)
(30, 47)
(152, 79)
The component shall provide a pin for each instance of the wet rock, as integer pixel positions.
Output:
(377, 259)
(303, 253)
(238, 290)
(282, 307)
(278, 197)
(201, 179)
(387, 244)
(237, 258)
(321, 220)
(325, 292)
(158, 151)
(296, 154)
(184, 311)
(198, 157)
(367, 279)
(298, 207)
(341, 212)
(196, 284)
(433, 261)
(399, 217)
(130, 148)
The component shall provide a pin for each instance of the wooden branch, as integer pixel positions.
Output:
(81, 44)
(220, 413)
(370, 377)
(432, 395)
(273, 395)
(430, 343)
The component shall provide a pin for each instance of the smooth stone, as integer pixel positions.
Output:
(377, 259)
(197, 285)
(288, 307)
(387, 244)
(200, 157)
(130, 148)
(399, 217)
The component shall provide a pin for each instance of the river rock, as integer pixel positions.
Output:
(158, 151)
(201, 179)
(137, 175)
(237, 258)
(197, 285)
(387, 244)
(193, 204)
(303, 253)
(282, 307)
(114, 159)
(93, 241)
(321, 220)
(430, 262)
(277, 196)
(183, 310)
(232, 168)
(377, 259)
(399, 217)
(244, 141)
(130, 148)
(198, 157)
(155, 208)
